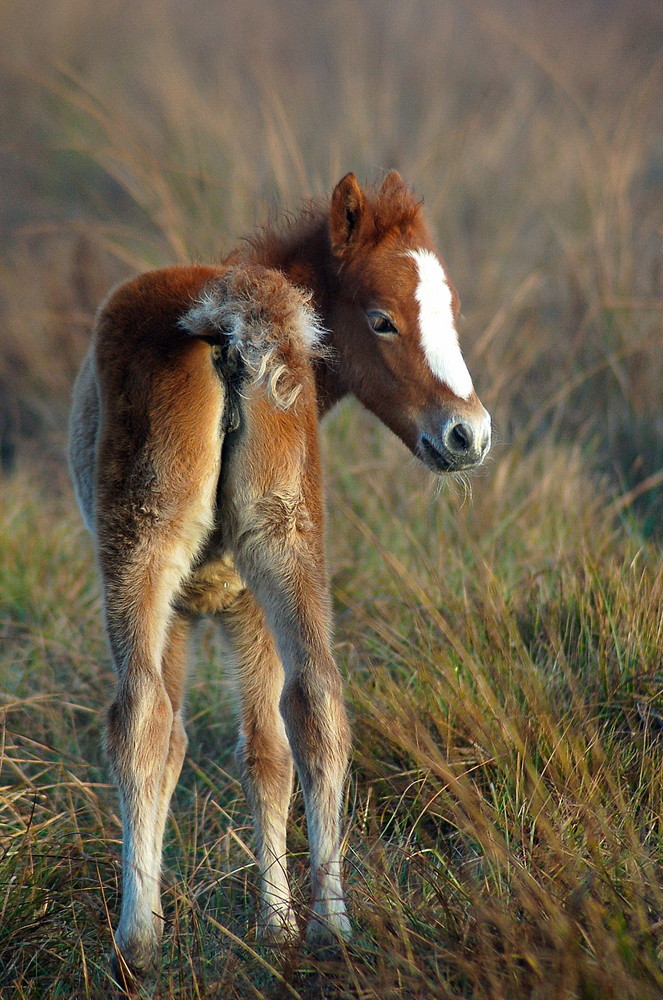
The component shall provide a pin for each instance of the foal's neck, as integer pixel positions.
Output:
(303, 252)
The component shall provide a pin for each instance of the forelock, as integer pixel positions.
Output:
(395, 211)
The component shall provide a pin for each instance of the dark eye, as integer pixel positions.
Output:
(380, 323)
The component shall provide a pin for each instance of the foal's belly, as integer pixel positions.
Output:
(211, 587)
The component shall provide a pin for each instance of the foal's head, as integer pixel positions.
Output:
(394, 316)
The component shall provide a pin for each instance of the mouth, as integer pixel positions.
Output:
(434, 455)
(439, 459)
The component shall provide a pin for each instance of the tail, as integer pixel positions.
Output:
(262, 326)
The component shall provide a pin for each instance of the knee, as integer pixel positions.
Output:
(263, 762)
(314, 712)
(179, 740)
(139, 724)
(318, 692)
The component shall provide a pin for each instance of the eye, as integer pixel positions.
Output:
(381, 323)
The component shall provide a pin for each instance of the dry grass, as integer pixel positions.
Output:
(502, 644)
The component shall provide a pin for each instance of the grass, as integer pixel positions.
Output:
(501, 638)
(504, 826)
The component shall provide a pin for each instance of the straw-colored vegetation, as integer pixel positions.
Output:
(503, 645)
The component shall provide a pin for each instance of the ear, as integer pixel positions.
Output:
(392, 183)
(347, 210)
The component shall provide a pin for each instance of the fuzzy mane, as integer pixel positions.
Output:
(387, 209)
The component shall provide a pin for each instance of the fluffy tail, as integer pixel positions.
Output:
(261, 320)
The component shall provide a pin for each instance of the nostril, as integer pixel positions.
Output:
(460, 438)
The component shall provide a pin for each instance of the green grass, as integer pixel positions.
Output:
(501, 637)
(504, 808)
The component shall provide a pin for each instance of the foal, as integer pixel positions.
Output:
(194, 454)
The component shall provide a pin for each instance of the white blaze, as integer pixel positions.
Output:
(439, 338)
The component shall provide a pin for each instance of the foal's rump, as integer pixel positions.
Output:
(146, 408)
(179, 358)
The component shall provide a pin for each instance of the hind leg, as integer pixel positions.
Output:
(143, 563)
(263, 756)
(173, 672)
(286, 571)
(138, 738)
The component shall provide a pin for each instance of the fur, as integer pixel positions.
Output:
(194, 454)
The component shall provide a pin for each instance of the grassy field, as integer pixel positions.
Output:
(502, 638)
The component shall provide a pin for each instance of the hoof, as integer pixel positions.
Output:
(329, 931)
(279, 931)
(132, 963)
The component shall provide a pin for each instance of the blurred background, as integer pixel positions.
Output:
(138, 134)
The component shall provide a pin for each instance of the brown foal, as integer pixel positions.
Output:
(194, 453)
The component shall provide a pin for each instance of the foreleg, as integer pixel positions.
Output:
(263, 755)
